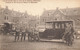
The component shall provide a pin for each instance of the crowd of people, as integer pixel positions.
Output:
(22, 33)
(19, 33)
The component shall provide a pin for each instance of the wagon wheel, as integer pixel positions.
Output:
(36, 37)
(70, 43)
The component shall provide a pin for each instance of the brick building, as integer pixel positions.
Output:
(61, 14)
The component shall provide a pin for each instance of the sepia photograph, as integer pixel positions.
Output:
(39, 24)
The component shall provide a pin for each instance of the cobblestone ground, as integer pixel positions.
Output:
(7, 43)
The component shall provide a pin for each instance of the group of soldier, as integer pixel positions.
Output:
(19, 33)
(23, 32)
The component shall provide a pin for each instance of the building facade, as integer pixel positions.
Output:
(61, 15)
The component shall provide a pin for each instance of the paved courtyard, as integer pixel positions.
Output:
(7, 43)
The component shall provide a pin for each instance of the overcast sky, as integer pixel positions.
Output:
(37, 8)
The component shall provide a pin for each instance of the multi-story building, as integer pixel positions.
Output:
(7, 15)
(61, 14)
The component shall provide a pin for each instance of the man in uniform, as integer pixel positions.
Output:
(36, 35)
(17, 35)
(68, 34)
(23, 35)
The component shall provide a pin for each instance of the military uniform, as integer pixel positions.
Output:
(69, 35)
(17, 35)
(23, 35)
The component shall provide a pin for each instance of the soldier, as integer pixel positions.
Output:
(17, 35)
(30, 35)
(67, 30)
(72, 32)
(68, 34)
(23, 35)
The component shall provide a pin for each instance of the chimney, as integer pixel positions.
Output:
(6, 7)
(57, 8)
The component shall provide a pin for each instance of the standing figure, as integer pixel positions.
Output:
(68, 34)
(17, 35)
(23, 35)
(36, 35)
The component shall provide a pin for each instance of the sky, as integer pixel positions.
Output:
(38, 8)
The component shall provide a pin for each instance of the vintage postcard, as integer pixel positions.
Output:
(39, 24)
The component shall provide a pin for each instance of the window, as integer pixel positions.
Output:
(49, 26)
(6, 18)
(57, 26)
(63, 26)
